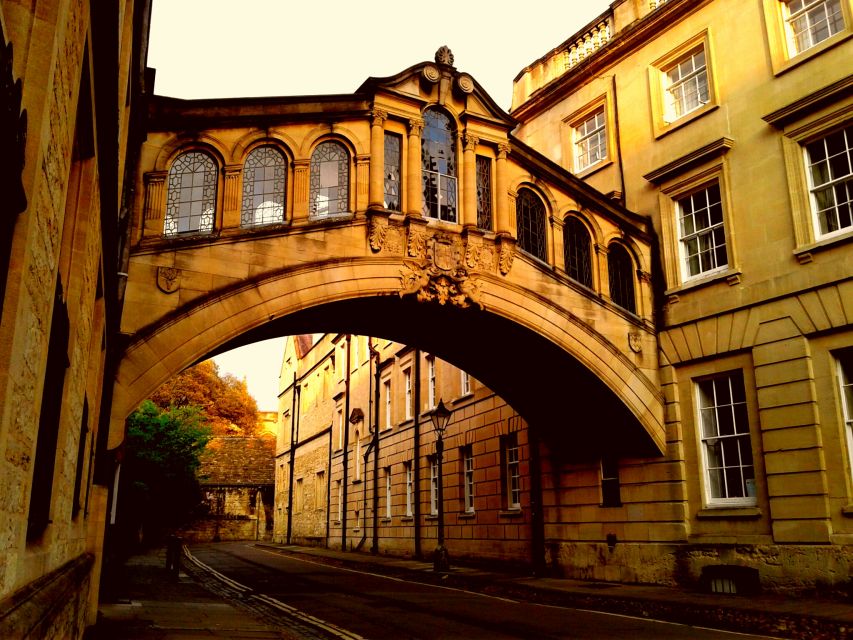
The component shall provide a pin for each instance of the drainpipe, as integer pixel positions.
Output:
(293, 431)
(416, 431)
(624, 198)
(344, 491)
(374, 354)
(329, 486)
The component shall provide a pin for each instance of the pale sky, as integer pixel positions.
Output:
(223, 48)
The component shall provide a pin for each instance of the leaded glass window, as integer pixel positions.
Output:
(393, 150)
(329, 180)
(530, 223)
(484, 193)
(191, 198)
(264, 177)
(620, 268)
(438, 161)
(576, 246)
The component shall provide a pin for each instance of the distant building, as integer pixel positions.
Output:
(236, 478)
(356, 486)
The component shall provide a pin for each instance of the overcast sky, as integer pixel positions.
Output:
(223, 48)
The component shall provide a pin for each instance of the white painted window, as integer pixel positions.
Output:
(468, 477)
(830, 171)
(430, 382)
(433, 485)
(388, 492)
(386, 389)
(810, 22)
(726, 445)
(464, 383)
(341, 428)
(513, 472)
(844, 364)
(702, 233)
(409, 480)
(590, 140)
(357, 456)
(407, 379)
(340, 496)
(686, 85)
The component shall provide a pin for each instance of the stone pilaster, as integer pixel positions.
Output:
(468, 218)
(377, 159)
(301, 206)
(502, 213)
(231, 203)
(603, 273)
(362, 182)
(155, 203)
(413, 168)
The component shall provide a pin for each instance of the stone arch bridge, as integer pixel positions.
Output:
(478, 281)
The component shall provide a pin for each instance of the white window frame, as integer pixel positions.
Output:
(590, 134)
(357, 456)
(830, 183)
(433, 485)
(806, 10)
(409, 486)
(388, 492)
(697, 234)
(340, 494)
(513, 472)
(468, 478)
(464, 382)
(341, 427)
(844, 373)
(677, 89)
(430, 382)
(709, 411)
(407, 379)
(386, 387)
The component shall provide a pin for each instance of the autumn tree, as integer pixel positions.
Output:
(223, 400)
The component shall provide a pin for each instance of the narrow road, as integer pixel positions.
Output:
(379, 607)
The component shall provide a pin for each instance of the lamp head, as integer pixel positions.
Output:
(440, 417)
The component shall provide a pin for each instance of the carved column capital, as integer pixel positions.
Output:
(503, 150)
(379, 117)
(416, 126)
(471, 141)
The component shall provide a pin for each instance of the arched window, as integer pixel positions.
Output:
(530, 223)
(191, 194)
(620, 267)
(438, 161)
(263, 187)
(576, 247)
(329, 179)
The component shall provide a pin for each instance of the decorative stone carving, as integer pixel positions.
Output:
(507, 255)
(416, 246)
(431, 73)
(634, 342)
(376, 234)
(168, 279)
(379, 117)
(444, 55)
(440, 277)
(465, 83)
(394, 240)
(416, 126)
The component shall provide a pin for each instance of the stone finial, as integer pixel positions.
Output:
(444, 55)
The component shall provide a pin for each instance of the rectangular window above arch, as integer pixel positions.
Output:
(393, 158)
(484, 193)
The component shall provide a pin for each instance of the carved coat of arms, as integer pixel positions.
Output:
(441, 276)
(168, 279)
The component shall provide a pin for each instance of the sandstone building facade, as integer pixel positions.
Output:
(70, 109)
(730, 124)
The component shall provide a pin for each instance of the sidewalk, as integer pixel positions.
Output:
(801, 617)
(153, 604)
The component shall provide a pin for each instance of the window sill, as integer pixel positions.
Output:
(463, 397)
(730, 513)
(384, 520)
(665, 128)
(430, 517)
(797, 59)
(336, 522)
(731, 275)
(847, 511)
(407, 519)
(594, 168)
(511, 513)
(804, 253)
(467, 515)
(356, 480)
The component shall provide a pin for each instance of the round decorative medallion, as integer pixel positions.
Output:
(431, 73)
(465, 83)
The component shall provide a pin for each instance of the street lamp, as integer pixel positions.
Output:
(440, 417)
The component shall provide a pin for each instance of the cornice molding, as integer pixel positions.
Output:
(697, 156)
(830, 93)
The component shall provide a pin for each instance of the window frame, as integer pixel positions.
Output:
(449, 180)
(541, 247)
(388, 495)
(389, 405)
(782, 57)
(632, 276)
(843, 362)
(393, 174)
(245, 212)
(658, 84)
(431, 382)
(314, 191)
(569, 220)
(683, 239)
(464, 383)
(433, 485)
(467, 456)
(407, 388)
(209, 182)
(819, 235)
(710, 500)
(409, 488)
(569, 128)
(511, 461)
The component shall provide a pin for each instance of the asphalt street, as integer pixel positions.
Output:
(355, 603)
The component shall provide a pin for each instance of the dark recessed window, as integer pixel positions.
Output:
(530, 223)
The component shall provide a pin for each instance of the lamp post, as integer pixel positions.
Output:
(440, 417)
